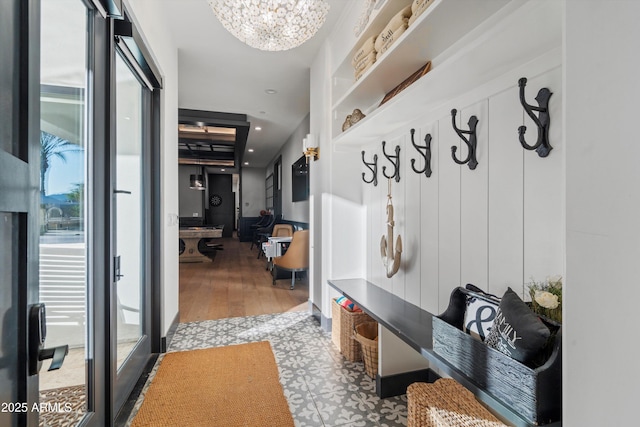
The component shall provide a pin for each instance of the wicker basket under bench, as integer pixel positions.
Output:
(343, 324)
(445, 403)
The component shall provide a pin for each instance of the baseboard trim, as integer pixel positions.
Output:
(166, 341)
(395, 385)
(326, 323)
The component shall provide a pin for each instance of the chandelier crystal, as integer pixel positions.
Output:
(271, 25)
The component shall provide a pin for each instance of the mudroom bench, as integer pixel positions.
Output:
(520, 395)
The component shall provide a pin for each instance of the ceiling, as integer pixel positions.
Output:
(219, 73)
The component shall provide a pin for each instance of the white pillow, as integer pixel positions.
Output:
(478, 317)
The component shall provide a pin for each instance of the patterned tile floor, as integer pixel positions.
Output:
(321, 386)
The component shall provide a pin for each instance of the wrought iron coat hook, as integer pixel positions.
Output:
(426, 154)
(542, 121)
(471, 142)
(395, 161)
(373, 167)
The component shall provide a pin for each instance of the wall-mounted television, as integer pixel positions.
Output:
(300, 180)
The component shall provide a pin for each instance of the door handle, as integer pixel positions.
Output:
(37, 335)
(121, 192)
(57, 354)
(116, 268)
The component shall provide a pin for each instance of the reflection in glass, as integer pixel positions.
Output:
(63, 201)
(129, 204)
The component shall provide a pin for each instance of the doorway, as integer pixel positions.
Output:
(59, 159)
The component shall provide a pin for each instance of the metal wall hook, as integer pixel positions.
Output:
(373, 167)
(471, 142)
(426, 154)
(395, 161)
(542, 121)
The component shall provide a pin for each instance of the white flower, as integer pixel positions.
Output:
(555, 280)
(546, 299)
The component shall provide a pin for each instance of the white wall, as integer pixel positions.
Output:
(602, 211)
(191, 202)
(337, 212)
(253, 191)
(165, 54)
(291, 152)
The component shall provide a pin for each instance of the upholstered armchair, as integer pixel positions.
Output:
(295, 260)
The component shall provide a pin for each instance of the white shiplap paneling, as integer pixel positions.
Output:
(448, 213)
(473, 200)
(429, 222)
(505, 193)
(495, 226)
(544, 188)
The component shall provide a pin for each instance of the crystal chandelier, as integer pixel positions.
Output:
(271, 24)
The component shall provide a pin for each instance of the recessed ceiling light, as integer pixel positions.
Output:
(250, 150)
(222, 170)
(258, 128)
(270, 91)
(246, 163)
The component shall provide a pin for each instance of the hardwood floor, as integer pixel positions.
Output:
(235, 284)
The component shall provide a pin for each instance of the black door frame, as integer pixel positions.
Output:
(99, 263)
(107, 16)
(19, 196)
(277, 186)
(127, 43)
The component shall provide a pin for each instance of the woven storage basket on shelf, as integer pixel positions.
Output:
(342, 327)
(446, 403)
(367, 335)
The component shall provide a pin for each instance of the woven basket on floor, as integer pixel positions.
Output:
(342, 326)
(446, 403)
(367, 335)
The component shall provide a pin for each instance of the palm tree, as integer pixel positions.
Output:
(76, 195)
(52, 146)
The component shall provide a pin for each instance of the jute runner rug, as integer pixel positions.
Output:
(224, 386)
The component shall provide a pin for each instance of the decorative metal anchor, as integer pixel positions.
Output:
(390, 258)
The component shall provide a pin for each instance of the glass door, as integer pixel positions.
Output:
(129, 203)
(131, 228)
(64, 203)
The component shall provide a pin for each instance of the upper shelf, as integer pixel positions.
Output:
(443, 23)
(467, 50)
